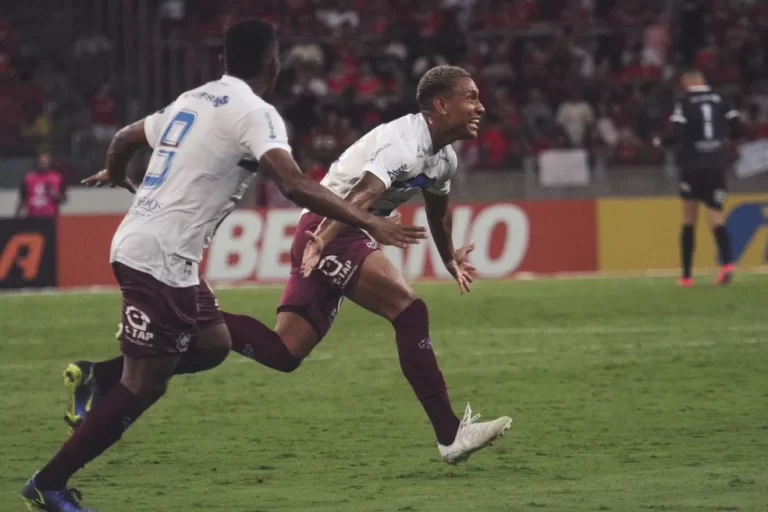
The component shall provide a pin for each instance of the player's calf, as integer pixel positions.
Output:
(256, 341)
(419, 366)
(144, 382)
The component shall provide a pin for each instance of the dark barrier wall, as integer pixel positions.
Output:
(27, 253)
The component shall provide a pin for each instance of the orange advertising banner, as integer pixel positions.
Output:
(541, 237)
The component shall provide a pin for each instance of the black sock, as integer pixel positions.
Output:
(686, 249)
(723, 244)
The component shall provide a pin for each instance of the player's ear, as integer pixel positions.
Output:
(440, 105)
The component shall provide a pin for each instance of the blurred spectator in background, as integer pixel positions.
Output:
(42, 191)
(104, 114)
(361, 60)
(37, 129)
(656, 43)
(575, 116)
(537, 113)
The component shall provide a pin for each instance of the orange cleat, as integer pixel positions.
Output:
(725, 276)
(685, 282)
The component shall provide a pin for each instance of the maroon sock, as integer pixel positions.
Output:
(256, 341)
(108, 373)
(103, 426)
(419, 365)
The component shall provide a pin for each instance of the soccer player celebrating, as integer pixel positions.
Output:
(332, 261)
(700, 123)
(194, 178)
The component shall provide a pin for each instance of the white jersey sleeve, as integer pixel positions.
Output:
(442, 187)
(390, 157)
(154, 124)
(262, 129)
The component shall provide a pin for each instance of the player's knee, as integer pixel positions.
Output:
(219, 351)
(414, 311)
(215, 344)
(290, 364)
(292, 357)
(147, 391)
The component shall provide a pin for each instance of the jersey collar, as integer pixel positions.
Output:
(426, 138)
(235, 82)
(699, 88)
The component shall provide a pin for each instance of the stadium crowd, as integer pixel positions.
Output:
(599, 74)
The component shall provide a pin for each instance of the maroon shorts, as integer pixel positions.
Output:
(158, 320)
(208, 312)
(318, 297)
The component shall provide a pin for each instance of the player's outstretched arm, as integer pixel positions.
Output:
(101, 178)
(440, 222)
(363, 195)
(121, 149)
(283, 170)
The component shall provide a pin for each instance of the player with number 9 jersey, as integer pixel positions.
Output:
(195, 176)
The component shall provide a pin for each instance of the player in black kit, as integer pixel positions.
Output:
(699, 125)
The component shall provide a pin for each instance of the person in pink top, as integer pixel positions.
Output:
(42, 191)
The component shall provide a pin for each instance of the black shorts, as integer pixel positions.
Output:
(705, 185)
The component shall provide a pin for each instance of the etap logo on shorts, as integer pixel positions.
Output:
(137, 326)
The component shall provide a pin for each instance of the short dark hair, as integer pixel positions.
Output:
(247, 45)
(438, 80)
(692, 71)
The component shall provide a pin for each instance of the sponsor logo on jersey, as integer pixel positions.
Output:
(148, 204)
(217, 101)
(268, 117)
(395, 172)
(378, 151)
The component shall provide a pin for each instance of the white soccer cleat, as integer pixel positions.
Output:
(473, 436)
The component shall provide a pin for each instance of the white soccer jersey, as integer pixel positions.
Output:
(400, 154)
(194, 178)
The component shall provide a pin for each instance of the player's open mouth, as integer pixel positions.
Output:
(474, 122)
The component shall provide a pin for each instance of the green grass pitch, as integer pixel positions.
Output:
(627, 395)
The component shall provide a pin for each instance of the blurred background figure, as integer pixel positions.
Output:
(42, 191)
(600, 74)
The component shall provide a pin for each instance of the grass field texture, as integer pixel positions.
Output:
(627, 395)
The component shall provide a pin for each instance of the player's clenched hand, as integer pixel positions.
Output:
(389, 231)
(102, 178)
(313, 251)
(461, 269)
